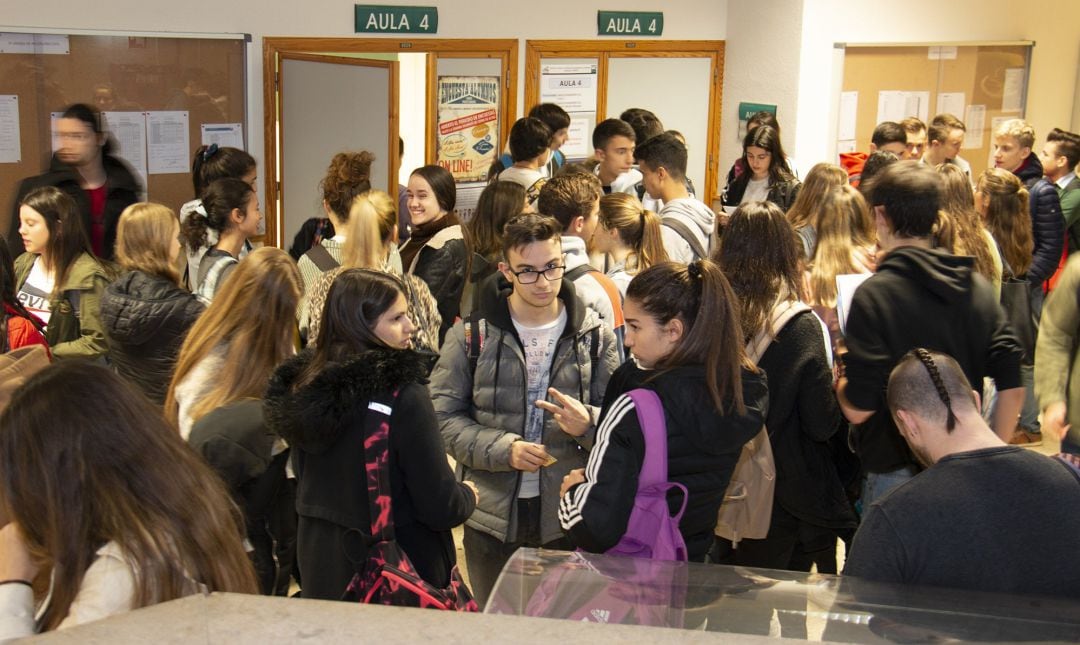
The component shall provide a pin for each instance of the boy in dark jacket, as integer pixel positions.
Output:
(919, 297)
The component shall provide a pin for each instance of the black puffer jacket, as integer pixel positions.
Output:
(146, 318)
(703, 448)
(323, 422)
(122, 191)
(1047, 224)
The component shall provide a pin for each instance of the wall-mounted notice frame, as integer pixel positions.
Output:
(616, 62)
(126, 75)
(976, 82)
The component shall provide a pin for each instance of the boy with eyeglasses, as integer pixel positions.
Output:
(504, 391)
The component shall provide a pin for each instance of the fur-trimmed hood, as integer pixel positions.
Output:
(312, 418)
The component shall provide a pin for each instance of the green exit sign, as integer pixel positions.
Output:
(395, 19)
(630, 23)
(747, 110)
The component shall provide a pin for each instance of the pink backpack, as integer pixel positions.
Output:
(653, 532)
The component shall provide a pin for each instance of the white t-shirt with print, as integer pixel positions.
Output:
(36, 292)
(539, 345)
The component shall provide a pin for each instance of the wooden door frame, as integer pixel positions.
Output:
(274, 48)
(391, 142)
(604, 50)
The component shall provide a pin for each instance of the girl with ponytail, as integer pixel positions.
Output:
(630, 234)
(210, 164)
(683, 329)
(230, 211)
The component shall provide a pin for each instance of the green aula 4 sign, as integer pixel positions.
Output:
(630, 23)
(395, 19)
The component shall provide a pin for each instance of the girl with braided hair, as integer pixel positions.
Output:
(687, 342)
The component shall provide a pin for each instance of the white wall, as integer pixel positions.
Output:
(761, 66)
(551, 19)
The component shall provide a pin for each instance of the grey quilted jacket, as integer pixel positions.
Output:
(482, 414)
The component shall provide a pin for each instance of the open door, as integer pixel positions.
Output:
(330, 104)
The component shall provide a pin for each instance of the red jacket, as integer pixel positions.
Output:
(21, 332)
(853, 163)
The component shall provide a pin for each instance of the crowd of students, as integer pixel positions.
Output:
(239, 405)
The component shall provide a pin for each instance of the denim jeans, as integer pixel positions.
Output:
(877, 485)
(1029, 413)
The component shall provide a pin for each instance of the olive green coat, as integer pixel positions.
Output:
(70, 335)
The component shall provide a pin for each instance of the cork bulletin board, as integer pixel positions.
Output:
(981, 84)
(153, 85)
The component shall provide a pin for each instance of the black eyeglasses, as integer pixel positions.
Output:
(529, 276)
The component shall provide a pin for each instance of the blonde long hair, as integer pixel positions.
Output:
(1007, 217)
(253, 317)
(821, 179)
(637, 227)
(144, 237)
(368, 233)
(958, 203)
(844, 227)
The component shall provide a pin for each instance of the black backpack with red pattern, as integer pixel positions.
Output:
(386, 576)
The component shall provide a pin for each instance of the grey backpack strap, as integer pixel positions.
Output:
(685, 233)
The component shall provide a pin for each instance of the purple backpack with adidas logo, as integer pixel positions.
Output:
(653, 532)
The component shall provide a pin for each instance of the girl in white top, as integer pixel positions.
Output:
(101, 492)
(630, 235)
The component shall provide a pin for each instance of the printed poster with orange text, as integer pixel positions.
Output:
(468, 128)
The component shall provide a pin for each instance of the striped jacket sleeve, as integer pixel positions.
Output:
(594, 514)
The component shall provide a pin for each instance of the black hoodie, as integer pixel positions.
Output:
(921, 298)
(323, 422)
(703, 448)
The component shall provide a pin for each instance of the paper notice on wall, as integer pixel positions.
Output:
(129, 130)
(849, 104)
(54, 118)
(975, 121)
(918, 104)
(572, 86)
(223, 134)
(10, 145)
(467, 197)
(167, 142)
(11, 43)
(845, 145)
(468, 127)
(1012, 92)
(941, 52)
(951, 103)
(578, 144)
(896, 105)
